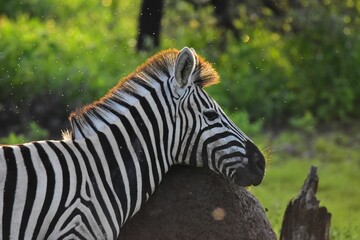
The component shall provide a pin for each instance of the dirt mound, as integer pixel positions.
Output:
(192, 203)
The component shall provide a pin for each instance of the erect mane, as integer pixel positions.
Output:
(157, 68)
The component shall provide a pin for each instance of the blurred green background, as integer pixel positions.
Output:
(290, 73)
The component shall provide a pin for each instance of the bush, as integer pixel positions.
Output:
(50, 64)
(310, 71)
(280, 78)
(35, 132)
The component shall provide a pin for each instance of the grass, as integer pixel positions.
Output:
(338, 171)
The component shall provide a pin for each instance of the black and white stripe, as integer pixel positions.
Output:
(87, 185)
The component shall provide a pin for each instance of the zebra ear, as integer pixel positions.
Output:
(185, 66)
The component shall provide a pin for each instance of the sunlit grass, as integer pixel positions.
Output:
(338, 179)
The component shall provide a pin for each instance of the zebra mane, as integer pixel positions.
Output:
(157, 68)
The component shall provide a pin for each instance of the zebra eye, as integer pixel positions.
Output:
(211, 115)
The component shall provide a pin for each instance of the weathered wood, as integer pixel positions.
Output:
(192, 203)
(304, 218)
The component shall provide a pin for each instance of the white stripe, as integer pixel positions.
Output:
(107, 172)
(40, 189)
(160, 123)
(239, 162)
(122, 169)
(141, 139)
(86, 178)
(72, 172)
(168, 120)
(135, 160)
(3, 169)
(20, 193)
(54, 160)
(76, 221)
(100, 184)
(152, 139)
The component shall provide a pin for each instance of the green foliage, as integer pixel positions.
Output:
(324, 55)
(273, 76)
(35, 132)
(307, 123)
(241, 119)
(33, 7)
(71, 62)
(309, 68)
(12, 138)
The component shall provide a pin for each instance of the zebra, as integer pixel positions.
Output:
(87, 185)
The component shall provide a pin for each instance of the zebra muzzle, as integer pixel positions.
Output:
(253, 172)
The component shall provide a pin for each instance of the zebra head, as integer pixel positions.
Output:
(204, 134)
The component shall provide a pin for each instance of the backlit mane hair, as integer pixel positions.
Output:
(159, 67)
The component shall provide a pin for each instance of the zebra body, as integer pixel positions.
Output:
(87, 185)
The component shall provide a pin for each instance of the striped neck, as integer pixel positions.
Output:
(134, 136)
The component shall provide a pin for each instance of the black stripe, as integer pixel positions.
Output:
(184, 119)
(147, 109)
(50, 187)
(84, 220)
(140, 153)
(229, 164)
(210, 101)
(196, 145)
(156, 132)
(211, 139)
(78, 171)
(143, 130)
(191, 133)
(31, 189)
(197, 103)
(183, 127)
(172, 96)
(115, 173)
(74, 234)
(169, 108)
(163, 114)
(222, 147)
(101, 172)
(93, 182)
(151, 72)
(88, 121)
(9, 190)
(78, 127)
(203, 102)
(116, 177)
(65, 188)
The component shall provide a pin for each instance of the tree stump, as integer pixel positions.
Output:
(303, 218)
(192, 203)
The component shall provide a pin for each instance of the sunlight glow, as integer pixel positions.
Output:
(245, 38)
(106, 3)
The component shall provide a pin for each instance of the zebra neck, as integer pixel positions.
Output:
(122, 103)
(136, 159)
(134, 137)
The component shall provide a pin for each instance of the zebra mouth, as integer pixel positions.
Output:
(253, 172)
(246, 177)
(242, 171)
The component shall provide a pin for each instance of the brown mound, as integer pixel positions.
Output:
(192, 203)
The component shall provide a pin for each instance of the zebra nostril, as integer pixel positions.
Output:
(260, 161)
(257, 160)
